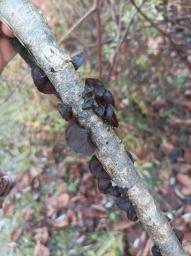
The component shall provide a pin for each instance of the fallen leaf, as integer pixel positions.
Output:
(187, 93)
(27, 215)
(8, 209)
(42, 235)
(41, 250)
(35, 172)
(63, 200)
(1, 202)
(23, 182)
(13, 245)
(186, 104)
(154, 44)
(61, 222)
(16, 233)
(183, 168)
(51, 206)
(187, 248)
(158, 103)
(56, 203)
(123, 225)
(185, 180)
(72, 218)
(166, 148)
(36, 182)
(174, 121)
(187, 155)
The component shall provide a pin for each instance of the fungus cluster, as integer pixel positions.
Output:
(99, 99)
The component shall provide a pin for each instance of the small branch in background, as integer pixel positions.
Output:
(114, 13)
(98, 38)
(117, 51)
(121, 40)
(87, 49)
(176, 47)
(95, 8)
(104, 41)
(79, 22)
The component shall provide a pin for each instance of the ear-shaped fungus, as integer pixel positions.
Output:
(99, 92)
(99, 110)
(108, 98)
(93, 82)
(97, 169)
(100, 100)
(41, 81)
(110, 117)
(65, 111)
(103, 184)
(156, 251)
(78, 139)
(113, 191)
(127, 206)
(88, 103)
(78, 60)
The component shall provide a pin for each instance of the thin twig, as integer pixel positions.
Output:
(98, 38)
(117, 51)
(106, 41)
(113, 11)
(79, 22)
(176, 48)
(119, 45)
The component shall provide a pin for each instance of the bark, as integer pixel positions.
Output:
(31, 30)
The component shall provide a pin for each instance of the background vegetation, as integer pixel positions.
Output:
(143, 55)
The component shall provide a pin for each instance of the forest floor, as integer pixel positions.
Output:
(55, 207)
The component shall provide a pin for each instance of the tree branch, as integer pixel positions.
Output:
(34, 34)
